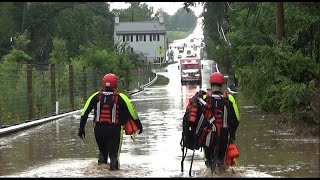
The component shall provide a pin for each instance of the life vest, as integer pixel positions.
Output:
(130, 127)
(232, 153)
(216, 118)
(193, 110)
(108, 108)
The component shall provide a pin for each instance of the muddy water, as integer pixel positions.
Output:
(266, 149)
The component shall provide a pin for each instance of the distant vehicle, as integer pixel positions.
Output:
(179, 56)
(190, 70)
(181, 49)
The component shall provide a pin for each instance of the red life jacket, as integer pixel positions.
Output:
(216, 118)
(193, 110)
(108, 108)
(130, 127)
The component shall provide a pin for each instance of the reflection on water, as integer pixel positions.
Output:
(53, 149)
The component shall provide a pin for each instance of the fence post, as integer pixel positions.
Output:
(53, 86)
(71, 87)
(29, 91)
(84, 84)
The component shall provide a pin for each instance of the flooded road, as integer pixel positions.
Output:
(267, 149)
(54, 149)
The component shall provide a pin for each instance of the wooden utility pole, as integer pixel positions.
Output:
(279, 20)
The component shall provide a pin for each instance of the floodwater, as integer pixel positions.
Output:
(54, 149)
(267, 149)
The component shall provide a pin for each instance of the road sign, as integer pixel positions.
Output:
(160, 49)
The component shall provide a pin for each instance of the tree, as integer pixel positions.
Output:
(136, 12)
(279, 20)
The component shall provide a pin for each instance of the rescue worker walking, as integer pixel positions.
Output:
(112, 110)
(224, 111)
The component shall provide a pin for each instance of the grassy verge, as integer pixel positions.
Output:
(174, 35)
(158, 66)
(161, 80)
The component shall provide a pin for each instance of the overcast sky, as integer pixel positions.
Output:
(169, 7)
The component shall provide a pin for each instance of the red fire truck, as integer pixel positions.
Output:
(190, 70)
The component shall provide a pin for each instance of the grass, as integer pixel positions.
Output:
(174, 35)
(161, 80)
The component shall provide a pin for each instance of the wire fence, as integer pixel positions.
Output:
(34, 91)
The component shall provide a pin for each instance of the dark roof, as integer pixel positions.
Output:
(140, 27)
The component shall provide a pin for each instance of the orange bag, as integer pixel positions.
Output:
(130, 127)
(231, 154)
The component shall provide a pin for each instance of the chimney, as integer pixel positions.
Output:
(116, 20)
(161, 18)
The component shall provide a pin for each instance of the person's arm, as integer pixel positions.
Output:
(129, 111)
(234, 116)
(89, 105)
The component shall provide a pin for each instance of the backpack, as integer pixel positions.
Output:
(216, 118)
(190, 126)
(191, 118)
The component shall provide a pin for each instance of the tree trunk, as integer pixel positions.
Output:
(279, 20)
(23, 16)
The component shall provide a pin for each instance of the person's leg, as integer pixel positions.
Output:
(100, 136)
(114, 147)
(222, 151)
(208, 156)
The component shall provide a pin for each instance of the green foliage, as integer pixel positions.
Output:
(174, 35)
(17, 54)
(161, 80)
(183, 20)
(59, 54)
(136, 12)
(279, 76)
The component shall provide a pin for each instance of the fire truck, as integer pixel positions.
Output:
(190, 70)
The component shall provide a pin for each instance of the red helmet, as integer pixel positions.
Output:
(216, 77)
(110, 80)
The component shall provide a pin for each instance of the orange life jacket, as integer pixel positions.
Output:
(108, 108)
(232, 153)
(193, 110)
(130, 127)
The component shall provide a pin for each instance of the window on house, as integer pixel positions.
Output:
(154, 37)
(136, 38)
(145, 37)
(127, 37)
(158, 37)
(131, 49)
(123, 38)
(150, 37)
(131, 38)
(140, 37)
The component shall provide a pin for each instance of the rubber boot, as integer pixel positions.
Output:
(102, 159)
(208, 163)
(221, 167)
(114, 164)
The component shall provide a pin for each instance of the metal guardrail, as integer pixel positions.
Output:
(11, 129)
(141, 88)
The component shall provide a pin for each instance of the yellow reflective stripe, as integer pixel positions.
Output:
(87, 103)
(235, 107)
(130, 106)
(120, 144)
(204, 96)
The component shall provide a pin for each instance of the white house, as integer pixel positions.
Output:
(147, 37)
